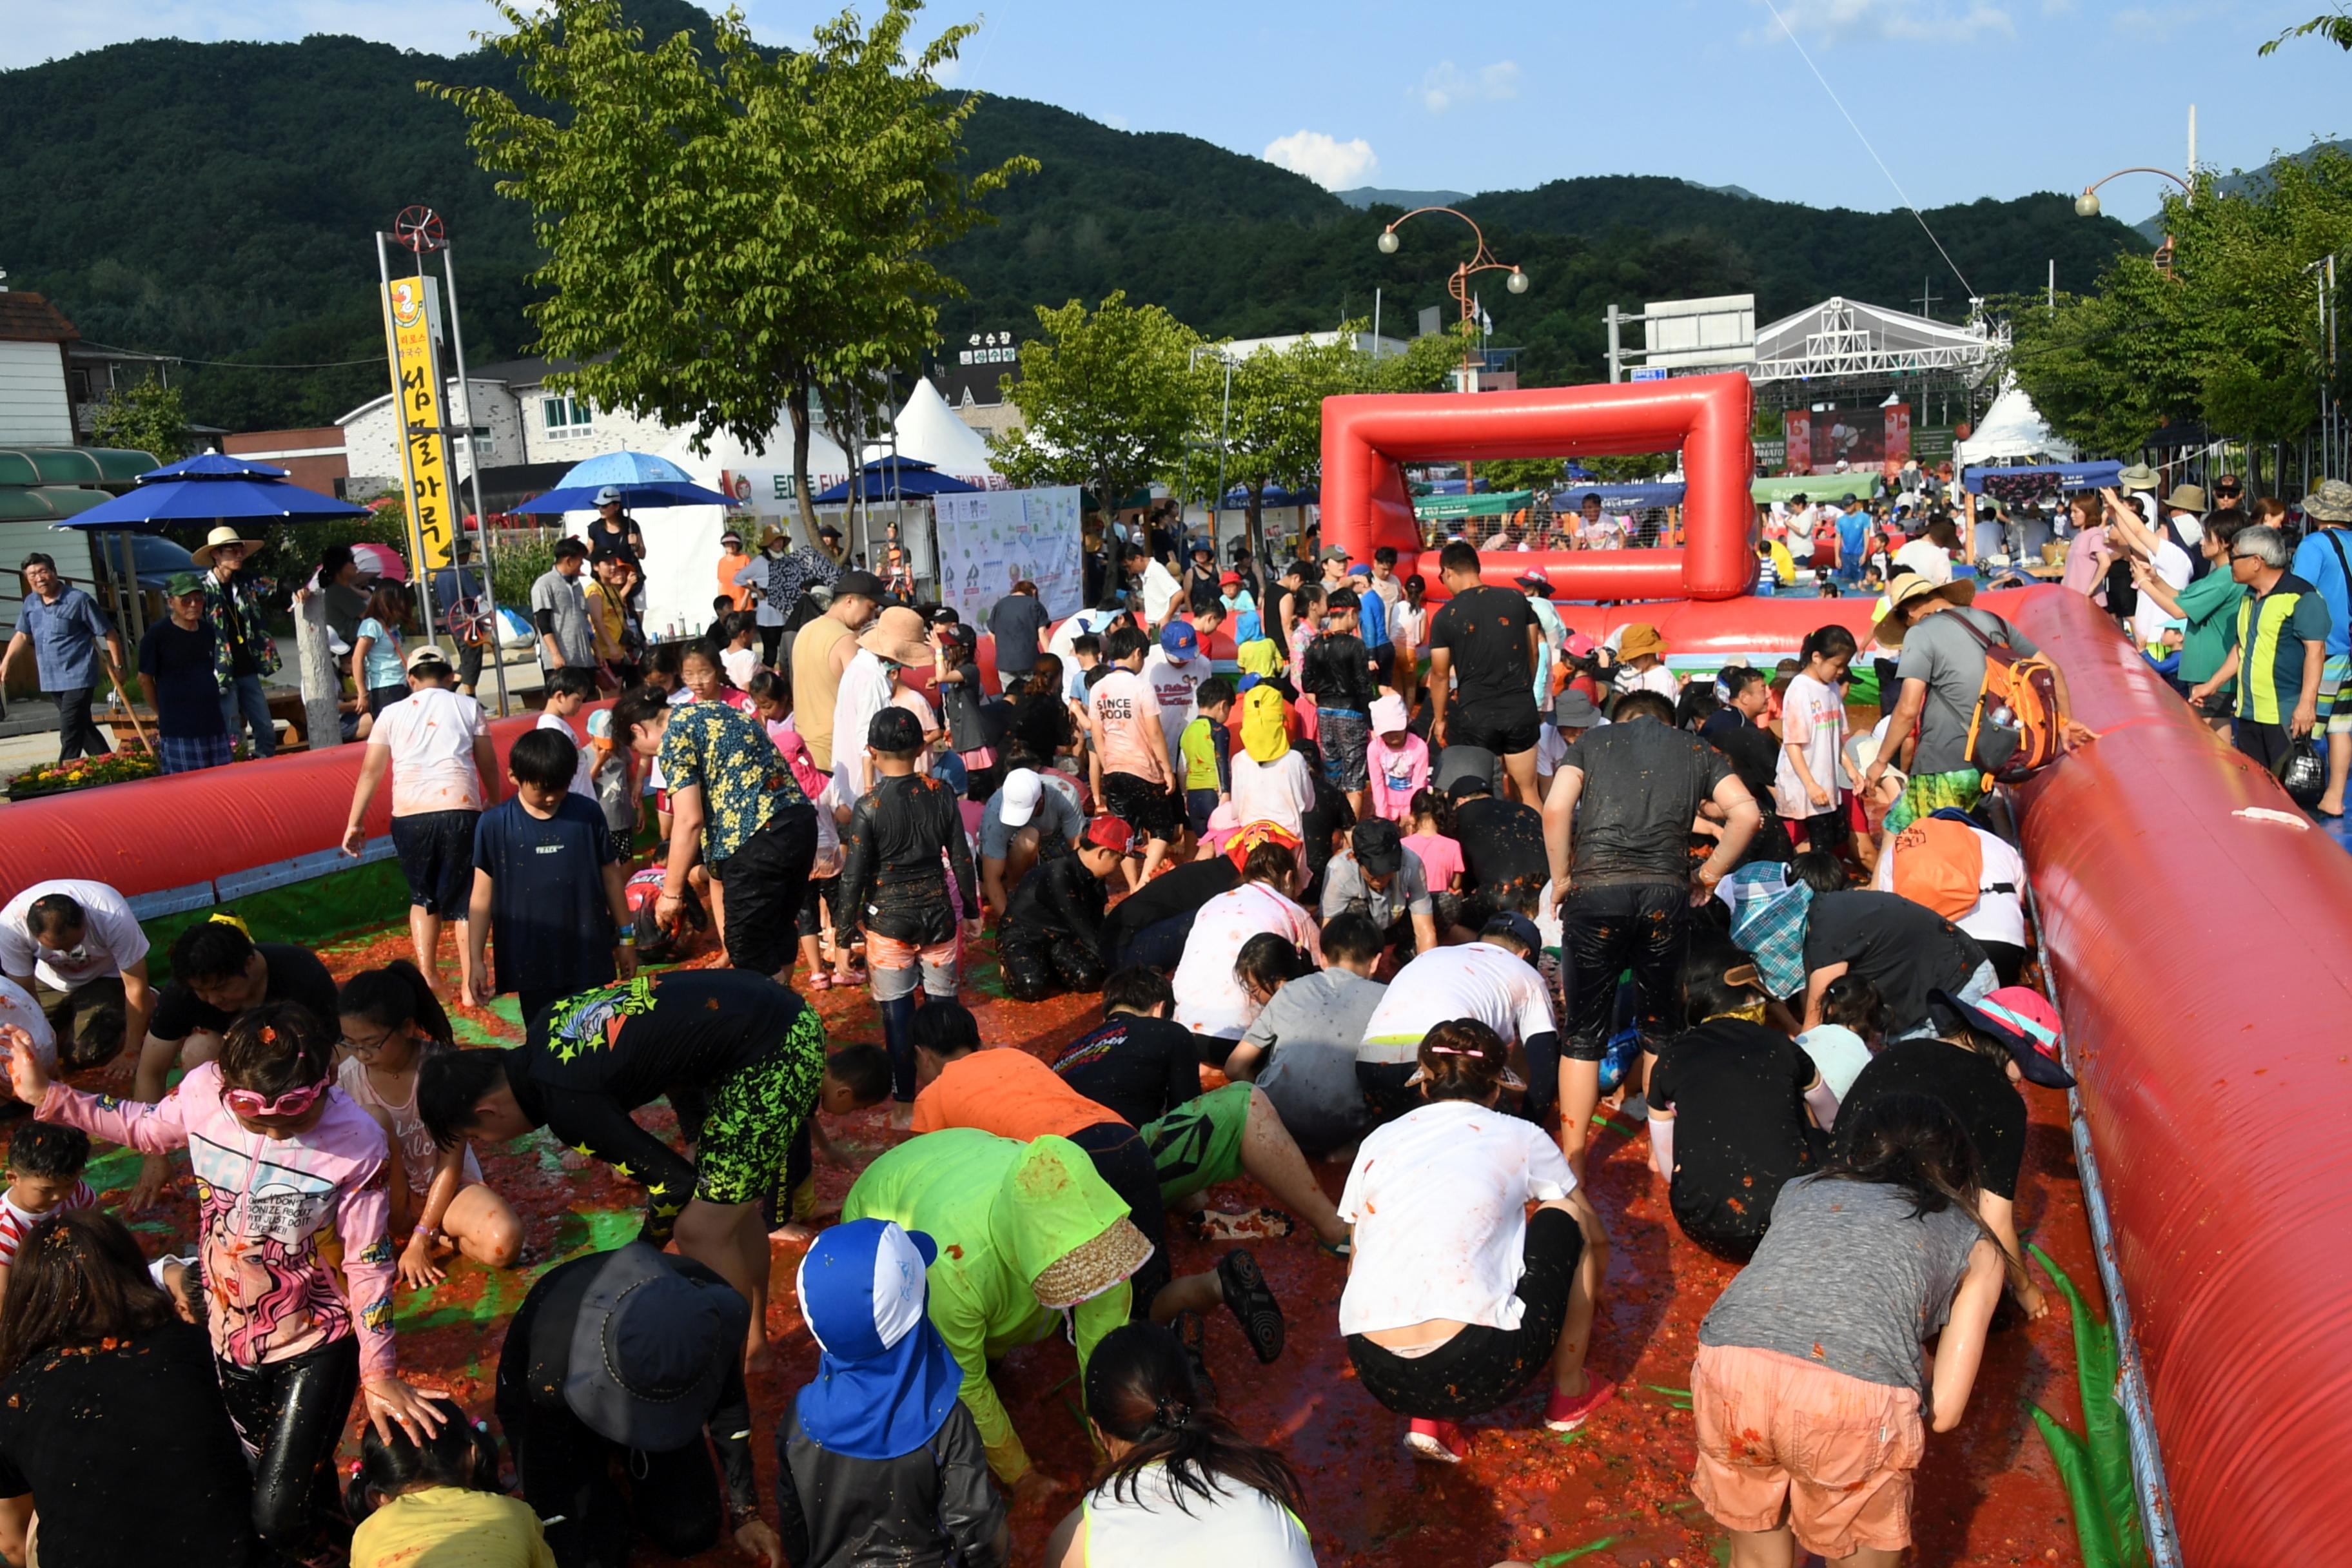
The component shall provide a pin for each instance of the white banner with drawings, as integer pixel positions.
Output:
(990, 539)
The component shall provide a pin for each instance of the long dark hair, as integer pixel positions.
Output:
(1915, 1142)
(78, 1278)
(1434, 805)
(396, 998)
(1140, 1390)
(1462, 1058)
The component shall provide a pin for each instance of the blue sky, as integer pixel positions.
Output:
(1960, 98)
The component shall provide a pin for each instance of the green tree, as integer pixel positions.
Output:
(1108, 397)
(1273, 434)
(146, 417)
(727, 232)
(2228, 335)
(2335, 27)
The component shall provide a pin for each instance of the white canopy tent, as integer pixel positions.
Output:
(929, 432)
(2012, 431)
(682, 541)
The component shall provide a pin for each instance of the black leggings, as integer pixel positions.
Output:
(292, 1415)
(1480, 1368)
(1124, 1162)
(812, 915)
(769, 637)
(1037, 962)
(603, 1490)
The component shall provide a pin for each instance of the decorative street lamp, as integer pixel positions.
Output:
(2088, 204)
(1480, 261)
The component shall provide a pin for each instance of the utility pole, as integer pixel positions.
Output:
(1927, 297)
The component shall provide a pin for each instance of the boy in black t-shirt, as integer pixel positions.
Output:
(1488, 639)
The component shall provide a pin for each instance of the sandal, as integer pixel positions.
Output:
(1193, 1335)
(822, 980)
(1252, 1302)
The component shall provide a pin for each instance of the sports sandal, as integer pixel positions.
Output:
(1260, 1224)
(1252, 1302)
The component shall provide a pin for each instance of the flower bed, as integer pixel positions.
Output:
(83, 772)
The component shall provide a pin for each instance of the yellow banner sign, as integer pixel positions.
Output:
(416, 398)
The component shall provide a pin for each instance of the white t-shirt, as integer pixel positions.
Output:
(1927, 558)
(1800, 530)
(17, 1007)
(1439, 1198)
(1159, 591)
(431, 735)
(864, 691)
(1813, 715)
(1151, 1524)
(1997, 917)
(1173, 682)
(2172, 569)
(1209, 1000)
(1479, 980)
(1282, 791)
(110, 937)
(583, 772)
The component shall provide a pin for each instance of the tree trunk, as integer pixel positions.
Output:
(321, 688)
(797, 406)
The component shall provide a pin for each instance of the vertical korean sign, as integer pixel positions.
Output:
(417, 395)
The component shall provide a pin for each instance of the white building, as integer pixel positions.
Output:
(518, 420)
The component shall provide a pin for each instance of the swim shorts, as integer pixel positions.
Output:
(1199, 1143)
(755, 1112)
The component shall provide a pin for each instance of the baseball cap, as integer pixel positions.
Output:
(895, 730)
(1023, 790)
(1535, 580)
(1178, 640)
(425, 653)
(608, 495)
(1109, 832)
(2020, 1019)
(181, 583)
(1380, 848)
(1579, 645)
(1523, 930)
(1333, 553)
(860, 584)
(1359, 569)
(1229, 580)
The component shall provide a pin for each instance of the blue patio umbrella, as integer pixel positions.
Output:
(646, 494)
(210, 488)
(886, 476)
(622, 469)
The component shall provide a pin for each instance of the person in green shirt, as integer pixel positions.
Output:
(1207, 749)
(2210, 605)
(1027, 1233)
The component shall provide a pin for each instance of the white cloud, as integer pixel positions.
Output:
(1445, 85)
(1334, 164)
(1889, 21)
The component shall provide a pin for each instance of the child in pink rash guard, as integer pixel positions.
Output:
(283, 1160)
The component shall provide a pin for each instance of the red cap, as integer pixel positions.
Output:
(1579, 645)
(1110, 832)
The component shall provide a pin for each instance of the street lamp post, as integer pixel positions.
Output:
(1480, 261)
(2088, 204)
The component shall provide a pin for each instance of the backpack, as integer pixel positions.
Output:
(1939, 863)
(2016, 729)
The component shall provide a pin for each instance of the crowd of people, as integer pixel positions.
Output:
(1401, 904)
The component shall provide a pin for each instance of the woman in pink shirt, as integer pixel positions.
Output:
(282, 1158)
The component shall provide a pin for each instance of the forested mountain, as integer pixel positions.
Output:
(216, 201)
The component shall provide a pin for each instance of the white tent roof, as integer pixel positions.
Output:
(2011, 430)
(929, 432)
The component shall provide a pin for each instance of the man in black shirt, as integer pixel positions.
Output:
(1906, 950)
(1753, 752)
(1017, 622)
(1503, 859)
(217, 972)
(893, 889)
(624, 1361)
(1618, 824)
(1489, 640)
(730, 1040)
(1150, 924)
(1052, 934)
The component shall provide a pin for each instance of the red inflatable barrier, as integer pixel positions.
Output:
(1706, 418)
(2202, 956)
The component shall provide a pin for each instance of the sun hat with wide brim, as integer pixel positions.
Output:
(218, 537)
(1089, 1270)
(897, 635)
(650, 1349)
(1890, 627)
(2139, 477)
(2330, 502)
(2019, 1018)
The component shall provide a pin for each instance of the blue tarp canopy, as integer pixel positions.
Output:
(1237, 498)
(209, 487)
(2066, 476)
(885, 477)
(1618, 498)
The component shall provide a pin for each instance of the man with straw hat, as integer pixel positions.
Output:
(897, 639)
(1943, 644)
(243, 654)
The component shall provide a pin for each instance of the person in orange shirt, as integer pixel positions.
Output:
(731, 562)
(1012, 1094)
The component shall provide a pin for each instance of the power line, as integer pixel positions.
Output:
(230, 363)
(1871, 149)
